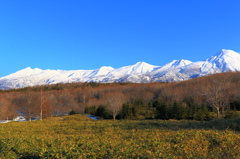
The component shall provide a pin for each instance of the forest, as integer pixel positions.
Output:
(203, 98)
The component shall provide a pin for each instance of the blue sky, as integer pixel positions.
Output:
(81, 34)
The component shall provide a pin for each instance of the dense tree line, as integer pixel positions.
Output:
(204, 98)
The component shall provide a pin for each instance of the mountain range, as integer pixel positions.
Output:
(141, 72)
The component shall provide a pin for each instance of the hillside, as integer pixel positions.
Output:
(203, 98)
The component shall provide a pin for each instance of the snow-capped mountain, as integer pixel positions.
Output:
(141, 72)
(168, 72)
(224, 61)
(132, 73)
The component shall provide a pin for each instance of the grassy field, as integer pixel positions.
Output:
(78, 136)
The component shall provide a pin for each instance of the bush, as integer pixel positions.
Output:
(231, 114)
(102, 112)
(72, 112)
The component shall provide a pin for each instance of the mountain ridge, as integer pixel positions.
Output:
(141, 72)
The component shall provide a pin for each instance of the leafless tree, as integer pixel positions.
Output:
(3, 108)
(216, 93)
(7, 109)
(82, 99)
(114, 102)
(30, 103)
(41, 104)
(54, 103)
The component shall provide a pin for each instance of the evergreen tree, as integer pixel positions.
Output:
(161, 109)
(90, 110)
(143, 111)
(127, 112)
(190, 109)
(102, 112)
(176, 112)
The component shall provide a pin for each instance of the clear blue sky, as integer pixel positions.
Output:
(88, 34)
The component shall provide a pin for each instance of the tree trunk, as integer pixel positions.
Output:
(41, 105)
(114, 117)
(223, 111)
(218, 112)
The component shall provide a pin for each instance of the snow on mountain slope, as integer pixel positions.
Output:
(192, 70)
(27, 77)
(32, 77)
(102, 71)
(133, 73)
(224, 61)
(138, 68)
(170, 67)
(25, 72)
(176, 64)
(177, 70)
(82, 75)
(69, 76)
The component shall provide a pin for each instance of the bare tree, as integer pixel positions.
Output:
(216, 93)
(82, 99)
(114, 102)
(26, 103)
(54, 104)
(7, 108)
(30, 102)
(4, 104)
(42, 102)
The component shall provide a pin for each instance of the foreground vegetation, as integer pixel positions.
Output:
(78, 136)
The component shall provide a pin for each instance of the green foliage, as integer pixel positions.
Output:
(191, 108)
(56, 87)
(100, 111)
(235, 105)
(72, 112)
(92, 84)
(231, 114)
(202, 114)
(137, 110)
(91, 110)
(161, 109)
(177, 111)
(123, 83)
(103, 112)
(127, 112)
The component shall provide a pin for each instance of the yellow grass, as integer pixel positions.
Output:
(78, 136)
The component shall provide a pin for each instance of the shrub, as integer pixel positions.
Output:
(72, 112)
(231, 114)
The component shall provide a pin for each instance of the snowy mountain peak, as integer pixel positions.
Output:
(141, 63)
(29, 69)
(141, 68)
(138, 68)
(223, 55)
(168, 70)
(176, 70)
(109, 68)
(226, 51)
(24, 72)
(179, 63)
(224, 61)
(175, 64)
(103, 70)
